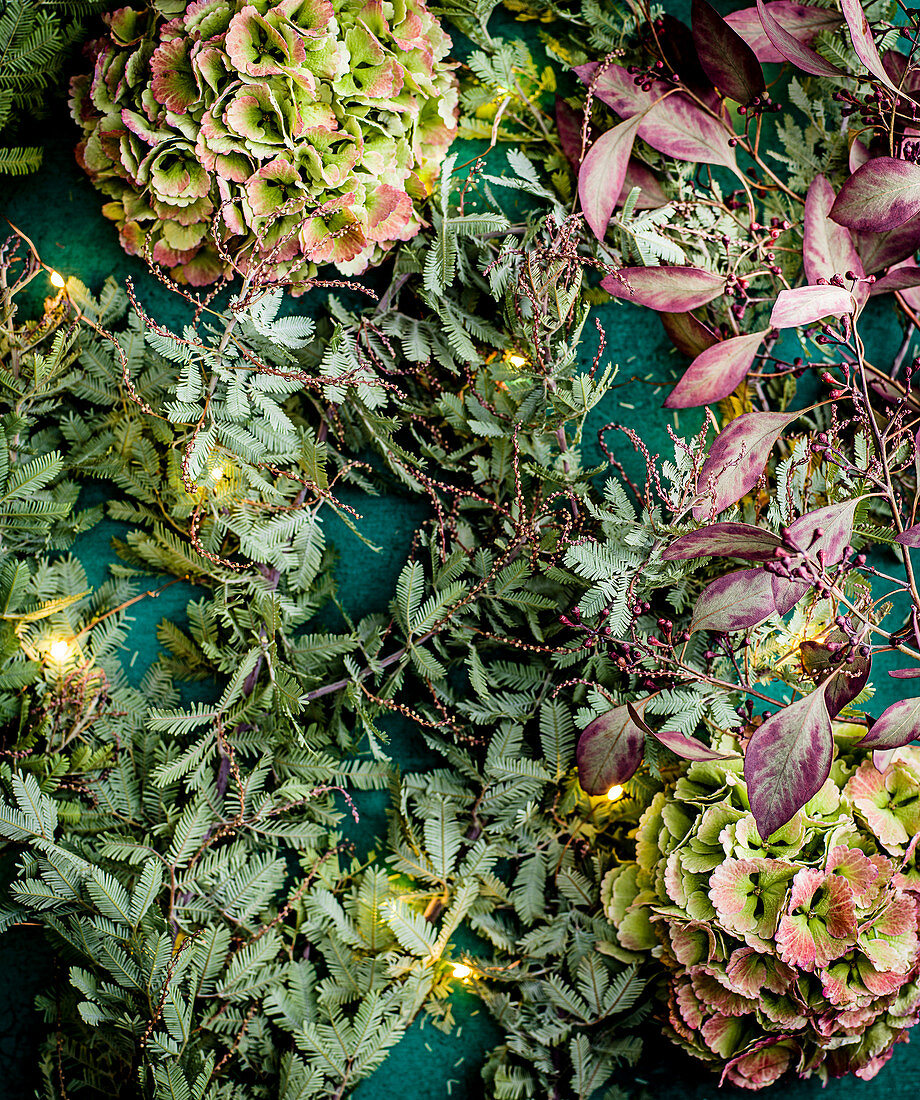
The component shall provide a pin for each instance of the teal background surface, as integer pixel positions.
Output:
(59, 211)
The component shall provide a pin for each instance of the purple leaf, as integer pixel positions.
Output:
(736, 601)
(802, 22)
(736, 459)
(679, 128)
(726, 58)
(688, 334)
(833, 664)
(617, 89)
(651, 195)
(787, 593)
(609, 750)
(787, 761)
(881, 250)
(858, 156)
(671, 289)
(835, 522)
(897, 726)
(791, 49)
(881, 759)
(688, 748)
(601, 176)
(910, 537)
(863, 43)
(569, 124)
(725, 540)
(828, 248)
(883, 194)
(679, 49)
(905, 673)
(714, 373)
(904, 276)
(804, 305)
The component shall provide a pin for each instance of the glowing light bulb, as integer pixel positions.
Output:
(615, 792)
(60, 650)
(461, 971)
(217, 473)
(57, 280)
(517, 361)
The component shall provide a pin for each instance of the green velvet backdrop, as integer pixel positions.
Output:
(59, 211)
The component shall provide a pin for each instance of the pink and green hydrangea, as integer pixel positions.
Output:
(795, 952)
(300, 132)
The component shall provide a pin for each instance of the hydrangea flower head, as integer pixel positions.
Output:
(797, 951)
(302, 131)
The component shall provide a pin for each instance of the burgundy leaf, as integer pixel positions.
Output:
(672, 123)
(910, 537)
(863, 43)
(803, 305)
(883, 194)
(835, 524)
(601, 176)
(901, 277)
(688, 334)
(714, 373)
(672, 289)
(846, 684)
(651, 195)
(881, 250)
(736, 459)
(725, 540)
(905, 673)
(828, 248)
(688, 748)
(679, 49)
(787, 593)
(791, 49)
(897, 726)
(787, 761)
(726, 58)
(569, 124)
(735, 601)
(802, 22)
(609, 750)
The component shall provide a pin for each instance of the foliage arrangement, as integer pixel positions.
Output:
(278, 137)
(800, 950)
(185, 850)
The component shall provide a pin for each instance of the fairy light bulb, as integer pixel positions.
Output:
(57, 280)
(615, 792)
(60, 650)
(462, 971)
(218, 473)
(517, 361)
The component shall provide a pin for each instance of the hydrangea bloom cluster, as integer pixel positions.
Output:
(308, 125)
(799, 952)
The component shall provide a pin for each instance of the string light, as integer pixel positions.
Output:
(462, 971)
(217, 473)
(57, 279)
(517, 361)
(615, 792)
(60, 650)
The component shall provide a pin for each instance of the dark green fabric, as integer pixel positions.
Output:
(59, 211)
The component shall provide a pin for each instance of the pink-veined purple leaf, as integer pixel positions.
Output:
(863, 44)
(882, 250)
(801, 21)
(671, 289)
(736, 460)
(804, 305)
(881, 759)
(651, 195)
(858, 155)
(735, 601)
(846, 684)
(900, 277)
(905, 673)
(687, 748)
(569, 124)
(787, 593)
(791, 49)
(787, 761)
(617, 88)
(609, 750)
(896, 726)
(717, 371)
(883, 194)
(726, 58)
(835, 523)
(909, 537)
(601, 176)
(725, 540)
(688, 334)
(828, 248)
